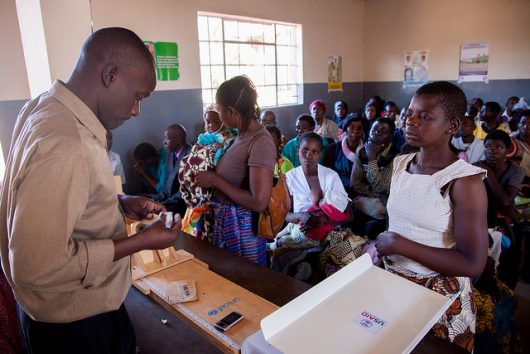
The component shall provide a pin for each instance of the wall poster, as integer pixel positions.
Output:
(166, 60)
(334, 73)
(415, 67)
(474, 59)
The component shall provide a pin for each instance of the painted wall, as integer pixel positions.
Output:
(391, 27)
(14, 81)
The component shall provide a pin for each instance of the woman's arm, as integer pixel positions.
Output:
(468, 257)
(256, 199)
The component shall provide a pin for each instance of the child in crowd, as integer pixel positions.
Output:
(392, 112)
(146, 164)
(437, 234)
(399, 134)
(466, 141)
(283, 165)
(340, 113)
(216, 134)
(319, 199)
(489, 115)
(269, 118)
(507, 116)
(304, 123)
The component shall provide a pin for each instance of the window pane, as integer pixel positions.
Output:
(232, 70)
(270, 75)
(270, 54)
(257, 33)
(215, 29)
(283, 34)
(205, 77)
(258, 54)
(218, 75)
(287, 94)
(216, 53)
(284, 54)
(266, 96)
(231, 53)
(282, 75)
(245, 54)
(207, 97)
(245, 31)
(204, 52)
(202, 23)
(268, 32)
(256, 74)
(231, 33)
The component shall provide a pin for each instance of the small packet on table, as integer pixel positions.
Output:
(182, 291)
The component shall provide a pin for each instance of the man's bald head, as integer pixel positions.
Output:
(114, 45)
(114, 72)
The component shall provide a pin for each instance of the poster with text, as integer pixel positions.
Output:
(415, 67)
(166, 59)
(334, 73)
(474, 59)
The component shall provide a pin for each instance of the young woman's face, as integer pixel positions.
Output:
(302, 126)
(212, 122)
(427, 124)
(370, 112)
(317, 112)
(524, 125)
(355, 132)
(391, 112)
(309, 152)
(495, 150)
(381, 133)
(340, 110)
(227, 116)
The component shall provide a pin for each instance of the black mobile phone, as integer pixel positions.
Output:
(227, 322)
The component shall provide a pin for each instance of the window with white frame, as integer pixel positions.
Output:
(269, 53)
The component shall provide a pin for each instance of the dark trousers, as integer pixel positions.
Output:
(110, 332)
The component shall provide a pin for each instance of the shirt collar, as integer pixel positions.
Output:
(82, 112)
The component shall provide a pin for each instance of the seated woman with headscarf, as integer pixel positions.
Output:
(371, 176)
(323, 126)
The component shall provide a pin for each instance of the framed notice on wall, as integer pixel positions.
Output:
(166, 59)
(415, 67)
(334, 73)
(474, 60)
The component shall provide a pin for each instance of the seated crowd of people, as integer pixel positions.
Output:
(338, 172)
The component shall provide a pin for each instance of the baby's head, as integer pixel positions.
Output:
(212, 121)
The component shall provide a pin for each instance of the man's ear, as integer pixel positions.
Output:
(109, 74)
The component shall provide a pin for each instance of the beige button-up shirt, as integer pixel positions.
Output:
(59, 213)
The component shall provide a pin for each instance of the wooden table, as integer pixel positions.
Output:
(272, 286)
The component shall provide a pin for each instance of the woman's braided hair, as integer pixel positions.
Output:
(240, 93)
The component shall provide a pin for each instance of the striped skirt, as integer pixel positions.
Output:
(234, 232)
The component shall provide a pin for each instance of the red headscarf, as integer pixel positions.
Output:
(318, 103)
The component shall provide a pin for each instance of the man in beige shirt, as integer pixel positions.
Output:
(63, 242)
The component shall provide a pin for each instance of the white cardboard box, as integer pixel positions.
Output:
(359, 309)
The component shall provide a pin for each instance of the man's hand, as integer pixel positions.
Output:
(157, 236)
(138, 208)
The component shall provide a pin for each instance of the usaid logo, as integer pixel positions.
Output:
(370, 322)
